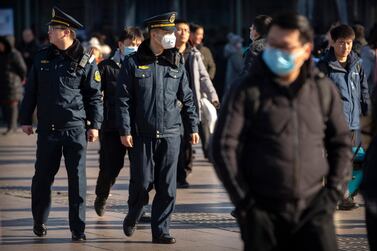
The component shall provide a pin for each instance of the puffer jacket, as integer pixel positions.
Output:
(275, 152)
(152, 91)
(351, 83)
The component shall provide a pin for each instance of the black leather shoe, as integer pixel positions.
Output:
(99, 206)
(40, 230)
(164, 239)
(183, 184)
(78, 236)
(128, 229)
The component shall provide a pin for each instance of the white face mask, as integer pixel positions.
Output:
(168, 41)
(129, 49)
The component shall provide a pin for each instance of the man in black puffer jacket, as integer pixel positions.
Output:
(112, 151)
(270, 141)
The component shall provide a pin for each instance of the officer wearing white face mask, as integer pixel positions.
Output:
(112, 151)
(153, 94)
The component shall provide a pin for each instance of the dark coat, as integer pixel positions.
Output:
(109, 70)
(12, 73)
(252, 53)
(208, 60)
(276, 153)
(351, 83)
(65, 93)
(152, 91)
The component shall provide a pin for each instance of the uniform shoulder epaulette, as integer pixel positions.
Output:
(86, 58)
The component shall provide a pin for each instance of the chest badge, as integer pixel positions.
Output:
(143, 67)
(97, 76)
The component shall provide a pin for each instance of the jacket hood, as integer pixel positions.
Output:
(146, 56)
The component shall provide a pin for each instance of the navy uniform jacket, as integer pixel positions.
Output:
(65, 93)
(152, 92)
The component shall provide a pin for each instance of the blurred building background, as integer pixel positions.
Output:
(217, 16)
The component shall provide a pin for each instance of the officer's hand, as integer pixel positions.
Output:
(195, 138)
(92, 135)
(28, 129)
(127, 140)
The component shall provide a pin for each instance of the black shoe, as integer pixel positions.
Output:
(78, 236)
(40, 230)
(128, 229)
(347, 204)
(233, 213)
(183, 184)
(164, 239)
(99, 206)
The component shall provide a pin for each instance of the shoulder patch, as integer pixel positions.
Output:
(97, 76)
(45, 61)
(143, 67)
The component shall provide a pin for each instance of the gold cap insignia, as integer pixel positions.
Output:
(97, 76)
(172, 18)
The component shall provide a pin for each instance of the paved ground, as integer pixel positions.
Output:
(201, 220)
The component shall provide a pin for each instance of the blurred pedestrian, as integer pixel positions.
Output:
(12, 74)
(64, 85)
(234, 65)
(268, 146)
(202, 88)
(359, 42)
(153, 95)
(258, 33)
(112, 151)
(28, 47)
(345, 69)
(196, 40)
(369, 59)
(94, 46)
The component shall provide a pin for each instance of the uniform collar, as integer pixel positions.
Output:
(74, 52)
(146, 56)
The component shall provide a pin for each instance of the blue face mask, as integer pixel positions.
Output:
(278, 61)
(129, 49)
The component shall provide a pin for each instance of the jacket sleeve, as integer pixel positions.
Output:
(338, 144)
(91, 91)
(124, 100)
(364, 92)
(206, 85)
(229, 127)
(102, 71)
(30, 98)
(211, 64)
(189, 109)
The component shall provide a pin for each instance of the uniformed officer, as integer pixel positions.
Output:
(64, 85)
(153, 90)
(112, 151)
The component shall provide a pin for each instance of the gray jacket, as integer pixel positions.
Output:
(200, 80)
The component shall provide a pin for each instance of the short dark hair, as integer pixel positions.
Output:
(131, 33)
(182, 21)
(294, 21)
(261, 24)
(342, 31)
(194, 27)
